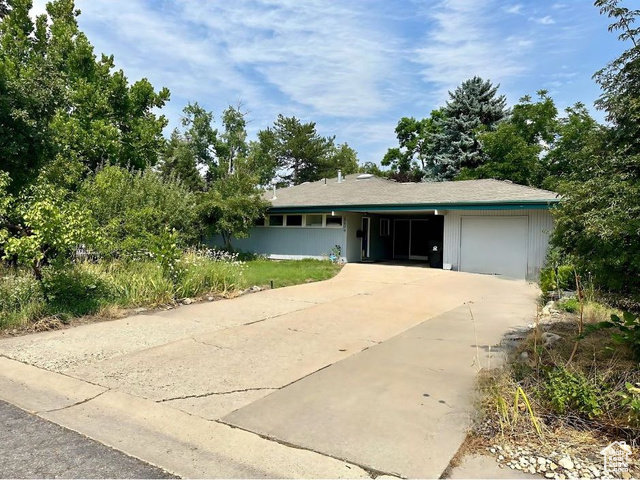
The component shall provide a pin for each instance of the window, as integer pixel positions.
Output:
(385, 227)
(294, 220)
(276, 220)
(314, 221)
(334, 221)
(259, 222)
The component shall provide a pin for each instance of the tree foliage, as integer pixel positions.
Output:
(576, 150)
(233, 204)
(299, 154)
(58, 98)
(513, 151)
(417, 146)
(51, 223)
(341, 157)
(134, 209)
(598, 222)
(474, 104)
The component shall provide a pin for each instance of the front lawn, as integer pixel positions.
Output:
(284, 273)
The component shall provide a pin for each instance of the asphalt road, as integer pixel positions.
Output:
(35, 448)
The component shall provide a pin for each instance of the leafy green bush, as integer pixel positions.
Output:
(572, 392)
(628, 333)
(630, 401)
(562, 278)
(134, 209)
(571, 305)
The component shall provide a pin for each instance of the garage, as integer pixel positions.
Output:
(494, 245)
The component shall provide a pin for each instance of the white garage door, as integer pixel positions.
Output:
(494, 245)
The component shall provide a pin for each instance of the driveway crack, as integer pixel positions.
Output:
(372, 472)
(210, 394)
(75, 404)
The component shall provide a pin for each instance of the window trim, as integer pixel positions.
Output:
(277, 215)
(341, 217)
(322, 216)
(302, 219)
(304, 216)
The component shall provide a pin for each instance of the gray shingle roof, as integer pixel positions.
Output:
(380, 191)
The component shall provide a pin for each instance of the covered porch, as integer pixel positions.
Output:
(416, 236)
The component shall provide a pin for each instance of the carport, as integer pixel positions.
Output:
(416, 236)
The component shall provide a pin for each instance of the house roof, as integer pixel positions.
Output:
(356, 193)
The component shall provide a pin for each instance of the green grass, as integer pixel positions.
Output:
(284, 273)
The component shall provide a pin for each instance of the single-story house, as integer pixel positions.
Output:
(482, 226)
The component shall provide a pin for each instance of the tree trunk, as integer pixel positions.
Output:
(37, 270)
(226, 236)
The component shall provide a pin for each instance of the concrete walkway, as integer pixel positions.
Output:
(370, 372)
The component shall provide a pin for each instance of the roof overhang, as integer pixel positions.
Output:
(404, 208)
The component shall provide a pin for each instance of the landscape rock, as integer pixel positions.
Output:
(549, 339)
(566, 462)
(187, 301)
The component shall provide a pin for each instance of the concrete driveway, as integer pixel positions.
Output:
(369, 373)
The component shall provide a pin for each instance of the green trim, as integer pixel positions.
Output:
(505, 205)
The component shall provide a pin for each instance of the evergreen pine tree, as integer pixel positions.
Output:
(473, 106)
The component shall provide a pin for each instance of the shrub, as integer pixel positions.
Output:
(133, 209)
(571, 305)
(628, 331)
(560, 278)
(630, 402)
(572, 392)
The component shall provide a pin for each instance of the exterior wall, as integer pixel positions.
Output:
(290, 242)
(353, 243)
(540, 227)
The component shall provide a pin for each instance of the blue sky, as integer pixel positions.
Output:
(353, 67)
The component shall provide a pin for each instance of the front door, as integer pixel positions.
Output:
(366, 236)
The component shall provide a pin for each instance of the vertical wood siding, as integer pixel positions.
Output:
(352, 252)
(540, 227)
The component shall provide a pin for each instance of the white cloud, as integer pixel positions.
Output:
(466, 40)
(514, 9)
(320, 53)
(317, 57)
(546, 20)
